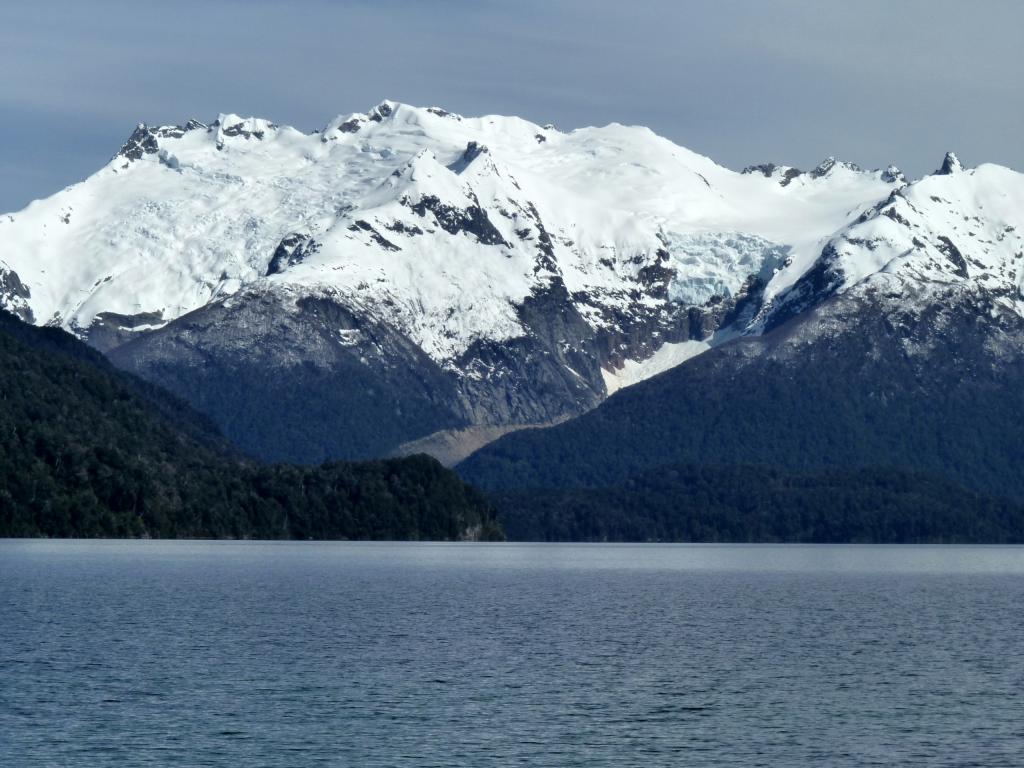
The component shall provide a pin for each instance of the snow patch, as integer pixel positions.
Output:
(667, 356)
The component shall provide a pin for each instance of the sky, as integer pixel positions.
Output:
(742, 81)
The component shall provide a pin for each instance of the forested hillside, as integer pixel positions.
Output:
(86, 451)
(940, 393)
(758, 504)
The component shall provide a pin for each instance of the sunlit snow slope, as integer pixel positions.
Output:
(520, 273)
(440, 224)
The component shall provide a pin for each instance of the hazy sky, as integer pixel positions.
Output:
(743, 81)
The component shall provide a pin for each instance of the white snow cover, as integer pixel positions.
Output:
(198, 215)
(978, 213)
(667, 356)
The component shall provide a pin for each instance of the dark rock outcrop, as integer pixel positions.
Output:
(145, 139)
(472, 220)
(14, 295)
(293, 249)
(950, 165)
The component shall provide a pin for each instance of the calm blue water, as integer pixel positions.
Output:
(296, 654)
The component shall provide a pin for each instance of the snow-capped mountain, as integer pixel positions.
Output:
(441, 224)
(956, 230)
(438, 272)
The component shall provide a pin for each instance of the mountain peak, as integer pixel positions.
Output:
(950, 164)
(784, 174)
(383, 111)
(893, 175)
(829, 164)
(145, 139)
(232, 126)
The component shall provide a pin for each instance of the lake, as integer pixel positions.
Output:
(368, 654)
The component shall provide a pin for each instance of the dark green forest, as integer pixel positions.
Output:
(87, 451)
(758, 504)
(858, 400)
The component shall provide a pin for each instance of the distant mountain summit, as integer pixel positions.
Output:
(409, 274)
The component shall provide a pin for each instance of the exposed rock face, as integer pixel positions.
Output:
(950, 165)
(826, 166)
(142, 141)
(145, 140)
(293, 249)
(472, 220)
(15, 295)
(893, 175)
(311, 381)
(784, 174)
